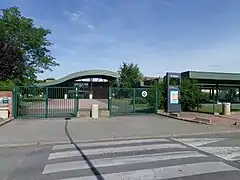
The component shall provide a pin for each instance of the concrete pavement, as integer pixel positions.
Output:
(52, 131)
(156, 158)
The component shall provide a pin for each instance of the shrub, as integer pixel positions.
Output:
(140, 100)
(191, 95)
(161, 98)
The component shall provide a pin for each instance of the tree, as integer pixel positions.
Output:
(191, 95)
(11, 61)
(161, 95)
(30, 41)
(50, 79)
(130, 75)
(6, 85)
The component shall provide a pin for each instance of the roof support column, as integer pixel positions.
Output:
(213, 100)
(239, 93)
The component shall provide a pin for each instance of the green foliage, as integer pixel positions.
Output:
(140, 100)
(21, 108)
(11, 61)
(6, 85)
(191, 95)
(30, 41)
(130, 75)
(161, 95)
(33, 99)
(231, 95)
(205, 97)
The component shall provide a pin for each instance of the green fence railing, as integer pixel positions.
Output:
(125, 101)
(44, 102)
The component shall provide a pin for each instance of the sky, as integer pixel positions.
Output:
(159, 35)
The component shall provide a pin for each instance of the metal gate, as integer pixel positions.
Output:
(126, 101)
(45, 102)
(50, 102)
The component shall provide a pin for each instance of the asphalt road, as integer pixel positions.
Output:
(202, 157)
(166, 154)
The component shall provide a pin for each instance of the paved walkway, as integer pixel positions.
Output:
(216, 119)
(53, 130)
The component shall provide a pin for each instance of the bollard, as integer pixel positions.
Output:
(226, 109)
(94, 112)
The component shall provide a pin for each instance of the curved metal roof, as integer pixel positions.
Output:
(83, 74)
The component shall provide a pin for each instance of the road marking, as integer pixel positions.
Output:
(165, 172)
(66, 146)
(78, 165)
(227, 153)
(74, 153)
(196, 142)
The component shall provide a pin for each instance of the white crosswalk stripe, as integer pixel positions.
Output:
(120, 161)
(66, 146)
(159, 159)
(229, 153)
(166, 172)
(113, 150)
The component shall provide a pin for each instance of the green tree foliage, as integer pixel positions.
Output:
(161, 95)
(11, 61)
(130, 75)
(30, 41)
(6, 85)
(231, 95)
(191, 95)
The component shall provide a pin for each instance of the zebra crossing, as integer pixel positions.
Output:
(131, 159)
(229, 153)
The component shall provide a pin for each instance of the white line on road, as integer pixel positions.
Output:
(196, 142)
(227, 153)
(66, 146)
(77, 165)
(113, 150)
(166, 172)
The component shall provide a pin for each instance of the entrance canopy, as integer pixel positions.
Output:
(213, 79)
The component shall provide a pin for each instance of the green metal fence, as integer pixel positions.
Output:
(125, 101)
(49, 102)
(44, 102)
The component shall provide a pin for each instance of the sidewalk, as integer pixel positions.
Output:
(53, 130)
(5, 121)
(208, 118)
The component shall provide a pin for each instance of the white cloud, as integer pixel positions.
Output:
(74, 16)
(90, 26)
(80, 17)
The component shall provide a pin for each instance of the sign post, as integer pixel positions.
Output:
(173, 92)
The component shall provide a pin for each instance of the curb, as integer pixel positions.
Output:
(6, 121)
(198, 120)
(228, 117)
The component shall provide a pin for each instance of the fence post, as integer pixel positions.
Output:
(14, 103)
(156, 99)
(46, 102)
(134, 100)
(110, 101)
(76, 101)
